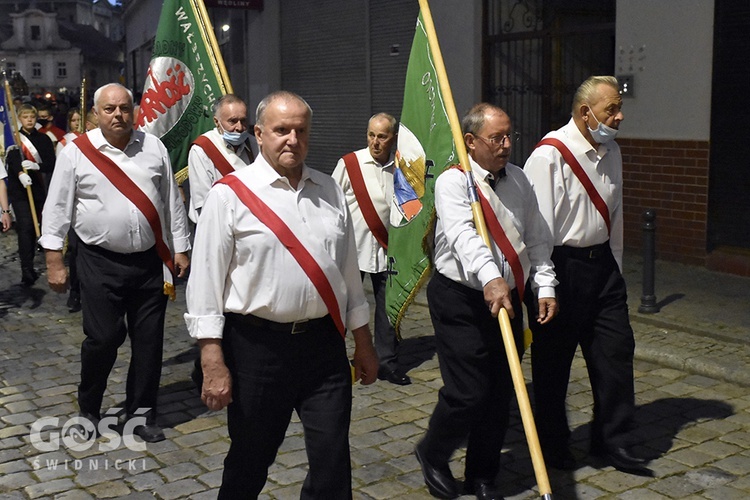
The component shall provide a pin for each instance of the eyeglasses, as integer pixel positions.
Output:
(500, 140)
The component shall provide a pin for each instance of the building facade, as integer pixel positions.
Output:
(684, 156)
(53, 45)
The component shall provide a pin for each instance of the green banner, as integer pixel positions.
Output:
(425, 149)
(183, 81)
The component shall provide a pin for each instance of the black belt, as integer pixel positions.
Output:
(302, 326)
(449, 283)
(584, 253)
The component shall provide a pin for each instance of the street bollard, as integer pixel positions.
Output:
(648, 297)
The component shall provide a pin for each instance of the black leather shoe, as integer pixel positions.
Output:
(151, 433)
(84, 428)
(74, 302)
(394, 377)
(560, 459)
(28, 277)
(482, 490)
(623, 460)
(439, 480)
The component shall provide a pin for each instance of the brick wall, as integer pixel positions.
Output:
(672, 178)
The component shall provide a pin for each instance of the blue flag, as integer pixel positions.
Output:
(5, 122)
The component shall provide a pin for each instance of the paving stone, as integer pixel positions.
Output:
(16, 481)
(110, 489)
(180, 471)
(146, 481)
(14, 466)
(49, 487)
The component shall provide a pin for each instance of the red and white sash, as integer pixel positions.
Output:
(580, 173)
(317, 264)
(133, 192)
(362, 194)
(214, 154)
(29, 150)
(504, 233)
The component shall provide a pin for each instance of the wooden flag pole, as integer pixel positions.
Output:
(17, 138)
(82, 124)
(208, 31)
(514, 363)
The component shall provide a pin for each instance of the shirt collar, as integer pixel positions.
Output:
(578, 143)
(97, 138)
(372, 160)
(267, 174)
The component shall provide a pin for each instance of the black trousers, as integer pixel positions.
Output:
(274, 373)
(594, 315)
(473, 403)
(26, 233)
(121, 295)
(75, 283)
(385, 339)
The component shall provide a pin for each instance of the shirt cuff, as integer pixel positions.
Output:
(546, 292)
(357, 317)
(51, 242)
(488, 273)
(181, 245)
(205, 327)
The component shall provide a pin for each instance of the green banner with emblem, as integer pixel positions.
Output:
(186, 75)
(425, 149)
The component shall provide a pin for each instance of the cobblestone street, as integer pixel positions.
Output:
(692, 392)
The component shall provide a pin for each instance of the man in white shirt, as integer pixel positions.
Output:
(274, 287)
(366, 176)
(470, 284)
(576, 172)
(115, 187)
(219, 151)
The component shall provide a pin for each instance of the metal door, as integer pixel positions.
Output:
(535, 55)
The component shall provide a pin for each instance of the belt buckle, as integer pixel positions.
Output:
(594, 253)
(299, 326)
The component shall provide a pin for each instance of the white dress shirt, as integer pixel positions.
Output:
(372, 257)
(240, 266)
(67, 139)
(460, 253)
(566, 206)
(80, 194)
(202, 172)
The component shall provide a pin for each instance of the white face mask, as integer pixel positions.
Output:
(602, 133)
(236, 138)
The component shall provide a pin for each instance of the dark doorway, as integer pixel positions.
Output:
(536, 53)
(729, 182)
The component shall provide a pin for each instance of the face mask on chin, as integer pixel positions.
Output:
(236, 138)
(42, 121)
(602, 133)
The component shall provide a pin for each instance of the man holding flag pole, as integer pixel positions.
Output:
(428, 121)
(471, 283)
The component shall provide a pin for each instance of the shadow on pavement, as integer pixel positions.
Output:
(658, 423)
(669, 299)
(672, 415)
(412, 352)
(16, 296)
(180, 402)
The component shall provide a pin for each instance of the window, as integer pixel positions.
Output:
(62, 70)
(36, 32)
(36, 70)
